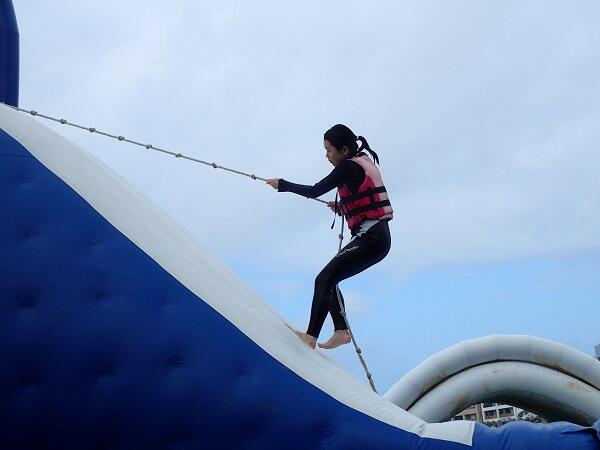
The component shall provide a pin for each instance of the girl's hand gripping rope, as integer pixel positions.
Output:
(335, 208)
(273, 182)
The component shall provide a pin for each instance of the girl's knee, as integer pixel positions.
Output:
(324, 280)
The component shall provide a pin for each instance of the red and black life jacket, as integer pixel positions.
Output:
(371, 201)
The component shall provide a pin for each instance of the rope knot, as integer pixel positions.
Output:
(178, 155)
(214, 165)
(34, 113)
(149, 146)
(92, 130)
(63, 121)
(121, 138)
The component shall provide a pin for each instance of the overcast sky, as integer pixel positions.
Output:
(486, 117)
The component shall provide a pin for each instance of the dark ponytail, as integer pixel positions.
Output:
(365, 146)
(340, 135)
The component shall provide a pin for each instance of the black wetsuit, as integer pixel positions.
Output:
(363, 251)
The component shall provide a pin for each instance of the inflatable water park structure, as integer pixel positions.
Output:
(120, 331)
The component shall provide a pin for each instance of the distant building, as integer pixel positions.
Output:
(471, 413)
(496, 414)
(598, 352)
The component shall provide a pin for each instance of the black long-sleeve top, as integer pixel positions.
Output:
(347, 172)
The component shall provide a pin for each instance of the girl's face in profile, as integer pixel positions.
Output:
(334, 156)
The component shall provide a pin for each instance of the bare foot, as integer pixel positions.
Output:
(340, 337)
(309, 340)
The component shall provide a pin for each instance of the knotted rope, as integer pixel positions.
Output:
(345, 316)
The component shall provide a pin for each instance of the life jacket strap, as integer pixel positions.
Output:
(335, 213)
(370, 206)
(368, 193)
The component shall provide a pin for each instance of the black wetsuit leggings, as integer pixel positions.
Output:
(359, 254)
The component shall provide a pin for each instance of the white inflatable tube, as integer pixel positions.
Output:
(540, 389)
(566, 375)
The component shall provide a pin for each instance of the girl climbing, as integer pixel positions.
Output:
(366, 207)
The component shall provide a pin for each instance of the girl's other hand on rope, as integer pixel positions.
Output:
(273, 182)
(333, 207)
